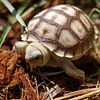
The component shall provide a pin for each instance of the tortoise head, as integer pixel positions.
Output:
(34, 53)
(33, 56)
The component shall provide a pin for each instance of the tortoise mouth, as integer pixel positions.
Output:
(34, 64)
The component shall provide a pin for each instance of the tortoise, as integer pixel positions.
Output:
(56, 37)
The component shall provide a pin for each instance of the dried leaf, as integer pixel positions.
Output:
(8, 61)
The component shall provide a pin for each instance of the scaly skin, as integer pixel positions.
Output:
(32, 51)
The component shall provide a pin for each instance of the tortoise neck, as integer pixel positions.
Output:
(45, 52)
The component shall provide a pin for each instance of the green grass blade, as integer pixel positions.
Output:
(4, 35)
(14, 12)
(20, 11)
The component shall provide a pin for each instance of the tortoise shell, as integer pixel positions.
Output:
(64, 29)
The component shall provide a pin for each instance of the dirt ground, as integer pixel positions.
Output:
(20, 82)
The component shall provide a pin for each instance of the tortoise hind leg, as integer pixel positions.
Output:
(70, 69)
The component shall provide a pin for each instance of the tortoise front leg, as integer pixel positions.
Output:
(70, 69)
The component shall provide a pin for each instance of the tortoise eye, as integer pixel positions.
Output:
(37, 57)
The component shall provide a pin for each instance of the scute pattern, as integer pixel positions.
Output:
(55, 17)
(33, 23)
(67, 9)
(66, 39)
(59, 52)
(45, 30)
(40, 14)
(85, 21)
(63, 29)
(78, 28)
(29, 37)
(50, 46)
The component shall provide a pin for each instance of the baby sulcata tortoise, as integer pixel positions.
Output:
(56, 37)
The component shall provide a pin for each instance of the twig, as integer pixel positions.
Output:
(51, 98)
(36, 88)
(75, 93)
(86, 95)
